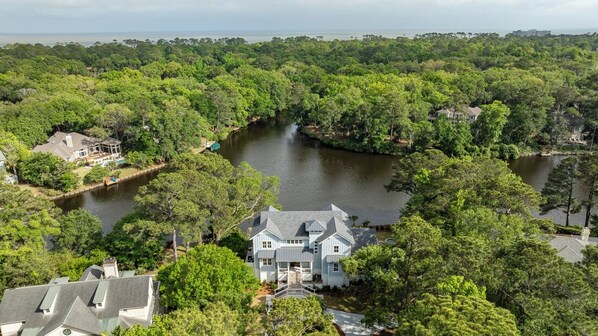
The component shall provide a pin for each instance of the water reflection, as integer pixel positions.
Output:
(311, 176)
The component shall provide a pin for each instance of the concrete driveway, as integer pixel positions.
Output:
(350, 323)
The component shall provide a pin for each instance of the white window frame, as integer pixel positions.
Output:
(336, 249)
(316, 246)
(335, 267)
(267, 262)
(266, 244)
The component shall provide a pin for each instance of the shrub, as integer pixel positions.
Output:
(48, 170)
(138, 159)
(96, 175)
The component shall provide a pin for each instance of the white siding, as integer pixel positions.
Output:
(10, 329)
(336, 240)
(74, 332)
(265, 272)
(329, 277)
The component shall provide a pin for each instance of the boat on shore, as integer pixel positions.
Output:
(214, 147)
(110, 181)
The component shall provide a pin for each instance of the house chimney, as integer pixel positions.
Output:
(110, 268)
(69, 140)
(585, 234)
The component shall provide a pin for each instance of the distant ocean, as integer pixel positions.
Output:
(88, 39)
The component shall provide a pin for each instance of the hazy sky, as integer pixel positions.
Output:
(93, 16)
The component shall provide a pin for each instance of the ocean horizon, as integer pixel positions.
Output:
(88, 39)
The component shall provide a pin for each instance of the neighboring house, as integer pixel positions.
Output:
(303, 247)
(570, 247)
(101, 301)
(464, 113)
(75, 146)
(575, 126)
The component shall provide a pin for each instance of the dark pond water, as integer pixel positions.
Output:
(311, 176)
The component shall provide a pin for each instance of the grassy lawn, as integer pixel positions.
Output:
(343, 301)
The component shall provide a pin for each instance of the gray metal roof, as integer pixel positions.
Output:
(22, 304)
(363, 237)
(292, 224)
(286, 254)
(265, 254)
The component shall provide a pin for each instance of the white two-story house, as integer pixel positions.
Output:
(301, 246)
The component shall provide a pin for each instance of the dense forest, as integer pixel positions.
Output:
(467, 258)
(161, 98)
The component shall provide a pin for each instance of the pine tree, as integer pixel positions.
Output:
(558, 189)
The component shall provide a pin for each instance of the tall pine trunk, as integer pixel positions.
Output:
(589, 208)
(174, 245)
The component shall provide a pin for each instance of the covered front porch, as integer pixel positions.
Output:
(294, 265)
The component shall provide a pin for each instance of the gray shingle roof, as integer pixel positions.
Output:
(286, 254)
(92, 272)
(291, 224)
(336, 226)
(77, 316)
(315, 226)
(57, 144)
(22, 304)
(570, 247)
(363, 237)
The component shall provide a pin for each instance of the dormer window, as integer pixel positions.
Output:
(336, 249)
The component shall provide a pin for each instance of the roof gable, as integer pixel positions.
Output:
(22, 304)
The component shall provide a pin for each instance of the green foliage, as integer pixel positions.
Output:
(456, 315)
(208, 273)
(47, 170)
(73, 266)
(214, 319)
(96, 174)
(80, 232)
(236, 242)
(24, 222)
(558, 190)
(138, 159)
(206, 192)
(136, 243)
(453, 185)
(488, 127)
(293, 316)
(394, 275)
(13, 149)
(457, 285)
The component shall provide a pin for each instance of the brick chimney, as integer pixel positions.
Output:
(110, 268)
(585, 234)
